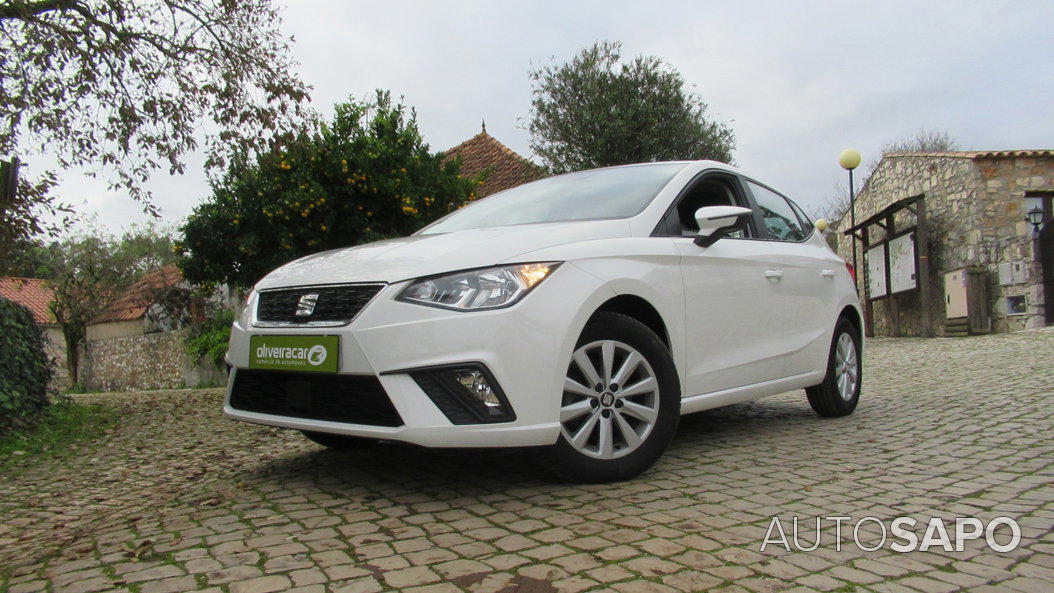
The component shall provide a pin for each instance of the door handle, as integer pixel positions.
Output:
(827, 273)
(776, 274)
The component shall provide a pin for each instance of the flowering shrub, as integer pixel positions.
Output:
(367, 175)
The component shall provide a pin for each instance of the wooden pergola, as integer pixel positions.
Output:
(886, 220)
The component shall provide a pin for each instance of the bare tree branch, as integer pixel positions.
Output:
(14, 9)
(124, 88)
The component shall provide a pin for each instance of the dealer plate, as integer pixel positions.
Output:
(318, 354)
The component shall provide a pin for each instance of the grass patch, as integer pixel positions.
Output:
(62, 424)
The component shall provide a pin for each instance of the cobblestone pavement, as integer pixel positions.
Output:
(177, 498)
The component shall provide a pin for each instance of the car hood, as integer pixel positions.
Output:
(423, 255)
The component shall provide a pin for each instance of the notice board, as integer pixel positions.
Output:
(903, 267)
(875, 262)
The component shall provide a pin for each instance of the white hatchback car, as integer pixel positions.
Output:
(582, 313)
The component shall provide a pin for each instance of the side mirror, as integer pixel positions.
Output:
(821, 224)
(718, 221)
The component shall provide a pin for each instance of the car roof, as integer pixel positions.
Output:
(702, 164)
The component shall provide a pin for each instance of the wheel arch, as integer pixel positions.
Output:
(851, 314)
(640, 309)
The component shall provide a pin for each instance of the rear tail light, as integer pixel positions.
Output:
(852, 271)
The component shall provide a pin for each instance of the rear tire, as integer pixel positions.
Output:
(612, 431)
(337, 441)
(839, 393)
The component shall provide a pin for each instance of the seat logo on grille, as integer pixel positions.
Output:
(307, 303)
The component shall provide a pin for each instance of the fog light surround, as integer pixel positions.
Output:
(466, 393)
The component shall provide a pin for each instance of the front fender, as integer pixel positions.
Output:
(646, 267)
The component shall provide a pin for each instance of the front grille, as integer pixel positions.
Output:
(322, 304)
(353, 399)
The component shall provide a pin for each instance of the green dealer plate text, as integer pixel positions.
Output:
(294, 353)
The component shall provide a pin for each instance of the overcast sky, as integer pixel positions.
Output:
(799, 81)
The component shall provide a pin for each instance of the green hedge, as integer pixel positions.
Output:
(209, 338)
(25, 368)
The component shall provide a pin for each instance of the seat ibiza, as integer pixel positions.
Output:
(580, 314)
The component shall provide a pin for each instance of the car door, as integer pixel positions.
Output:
(807, 285)
(732, 298)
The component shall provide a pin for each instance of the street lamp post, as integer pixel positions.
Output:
(849, 160)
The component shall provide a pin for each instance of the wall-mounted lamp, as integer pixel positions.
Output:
(1035, 217)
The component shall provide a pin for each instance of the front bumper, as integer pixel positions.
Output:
(526, 348)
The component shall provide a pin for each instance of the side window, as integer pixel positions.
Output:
(712, 191)
(778, 216)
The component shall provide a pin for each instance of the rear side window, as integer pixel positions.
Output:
(777, 214)
(805, 222)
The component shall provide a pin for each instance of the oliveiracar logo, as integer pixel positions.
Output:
(316, 355)
(285, 353)
(305, 353)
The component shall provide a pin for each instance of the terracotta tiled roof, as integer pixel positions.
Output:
(506, 168)
(31, 293)
(980, 154)
(133, 303)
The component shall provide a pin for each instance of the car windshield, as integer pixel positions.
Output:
(616, 192)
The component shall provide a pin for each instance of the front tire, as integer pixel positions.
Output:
(620, 405)
(839, 393)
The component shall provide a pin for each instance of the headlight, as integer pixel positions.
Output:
(473, 290)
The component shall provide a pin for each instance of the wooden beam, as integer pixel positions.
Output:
(922, 237)
(893, 307)
(869, 310)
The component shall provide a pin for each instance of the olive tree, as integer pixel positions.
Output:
(597, 110)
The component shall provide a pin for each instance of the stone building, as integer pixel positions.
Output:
(976, 204)
(138, 310)
(139, 340)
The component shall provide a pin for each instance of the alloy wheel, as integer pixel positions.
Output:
(610, 400)
(846, 366)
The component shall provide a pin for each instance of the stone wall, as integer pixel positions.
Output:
(1005, 236)
(976, 217)
(143, 362)
(55, 348)
(114, 329)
